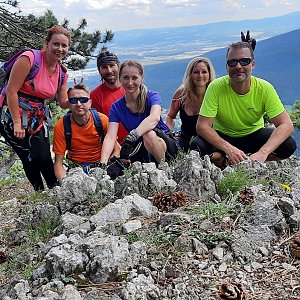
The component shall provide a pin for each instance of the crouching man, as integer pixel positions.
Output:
(79, 134)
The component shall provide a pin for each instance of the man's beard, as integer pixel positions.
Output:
(110, 80)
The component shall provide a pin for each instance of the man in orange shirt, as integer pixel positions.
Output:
(86, 145)
(110, 90)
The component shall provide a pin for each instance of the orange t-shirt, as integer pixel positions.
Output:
(85, 143)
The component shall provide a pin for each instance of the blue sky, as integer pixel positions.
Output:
(134, 14)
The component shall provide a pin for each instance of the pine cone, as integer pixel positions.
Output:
(166, 203)
(180, 199)
(246, 196)
(162, 201)
(231, 291)
(295, 245)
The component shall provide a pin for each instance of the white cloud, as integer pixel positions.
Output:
(69, 3)
(35, 6)
(235, 4)
(121, 15)
(103, 4)
(179, 2)
(94, 4)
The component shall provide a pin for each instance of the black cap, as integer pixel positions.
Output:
(107, 58)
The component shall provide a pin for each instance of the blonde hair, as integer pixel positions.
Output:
(188, 87)
(141, 100)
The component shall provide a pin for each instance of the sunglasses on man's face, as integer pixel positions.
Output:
(75, 100)
(243, 62)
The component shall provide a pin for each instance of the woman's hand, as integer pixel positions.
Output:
(19, 131)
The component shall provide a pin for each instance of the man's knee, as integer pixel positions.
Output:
(149, 137)
(286, 149)
(201, 145)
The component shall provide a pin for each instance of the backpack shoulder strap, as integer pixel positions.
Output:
(61, 76)
(37, 62)
(98, 123)
(67, 130)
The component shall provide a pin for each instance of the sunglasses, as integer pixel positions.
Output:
(80, 99)
(243, 62)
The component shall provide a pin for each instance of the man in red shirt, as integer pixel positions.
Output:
(110, 90)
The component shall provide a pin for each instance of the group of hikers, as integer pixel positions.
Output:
(120, 121)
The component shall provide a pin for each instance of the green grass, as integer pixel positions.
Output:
(211, 239)
(212, 211)
(16, 174)
(235, 181)
(177, 160)
(37, 197)
(40, 233)
(6, 181)
(157, 241)
(132, 237)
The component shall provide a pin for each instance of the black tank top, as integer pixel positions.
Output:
(188, 123)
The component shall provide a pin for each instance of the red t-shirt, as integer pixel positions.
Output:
(102, 99)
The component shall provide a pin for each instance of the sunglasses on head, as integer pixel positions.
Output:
(243, 62)
(75, 100)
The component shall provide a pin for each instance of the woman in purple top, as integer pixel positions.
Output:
(139, 110)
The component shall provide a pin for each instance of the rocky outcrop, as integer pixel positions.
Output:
(110, 242)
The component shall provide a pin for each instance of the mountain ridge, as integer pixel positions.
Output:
(165, 58)
(267, 52)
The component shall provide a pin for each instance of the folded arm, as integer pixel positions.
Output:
(151, 121)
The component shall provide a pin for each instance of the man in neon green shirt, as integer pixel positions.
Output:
(231, 122)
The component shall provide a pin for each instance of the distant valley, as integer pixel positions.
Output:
(166, 52)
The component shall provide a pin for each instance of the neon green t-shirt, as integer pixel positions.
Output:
(239, 115)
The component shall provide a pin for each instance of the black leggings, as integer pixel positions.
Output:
(34, 152)
(250, 143)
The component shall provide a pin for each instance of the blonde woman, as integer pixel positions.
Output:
(188, 98)
(139, 110)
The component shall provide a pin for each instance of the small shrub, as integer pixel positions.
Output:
(17, 171)
(235, 181)
(213, 211)
(41, 232)
(180, 157)
(211, 239)
(132, 237)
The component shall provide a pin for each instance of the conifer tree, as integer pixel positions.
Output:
(18, 31)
